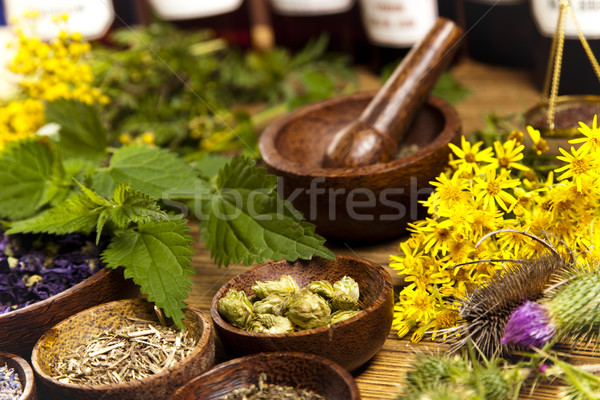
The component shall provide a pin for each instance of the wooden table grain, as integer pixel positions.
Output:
(494, 89)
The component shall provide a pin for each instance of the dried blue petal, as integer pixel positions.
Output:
(529, 325)
(36, 267)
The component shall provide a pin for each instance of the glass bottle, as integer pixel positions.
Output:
(227, 18)
(297, 21)
(394, 26)
(499, 31)
(577, 75)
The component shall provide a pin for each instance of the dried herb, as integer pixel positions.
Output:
(280, 306)
(10, 384)
(36, 267)
(136, 351)
(266, 391)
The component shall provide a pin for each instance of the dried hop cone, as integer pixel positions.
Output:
(343, 302)
(322, 288)
(340, 316)
(236, 308)
(268, 323)
(347, 286)
(272, 304)
(282, 287)
(308, 310)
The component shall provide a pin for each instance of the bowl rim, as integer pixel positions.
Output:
(339, 370)
(201, 346)
(377, 303)
(29, 388)
(275, 160)
(42, 305)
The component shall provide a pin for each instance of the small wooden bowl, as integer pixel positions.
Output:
(370, 203)
(350, 343)
(20, 329)
(23, 370)
(298, 370)
(70, 333)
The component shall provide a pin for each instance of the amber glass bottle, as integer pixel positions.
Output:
(394, 26)
(228, 18)
(577, 75)
(499, 31)
(297, 21)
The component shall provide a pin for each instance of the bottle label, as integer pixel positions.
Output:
(587, 12)
(172, 10)
(497, 2)
(398, 23)
(311, 7)
(91, 18)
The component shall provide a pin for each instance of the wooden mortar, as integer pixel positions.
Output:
(374, 136)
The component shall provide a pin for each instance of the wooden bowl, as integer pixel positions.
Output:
(20, 329)
(298, 370)
(70, 333)
(370, 203)
(23, 369)
(350, 343)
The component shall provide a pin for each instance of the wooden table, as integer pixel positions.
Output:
(496, 89)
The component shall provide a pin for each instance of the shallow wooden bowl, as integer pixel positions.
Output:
(350, 343)
(369, 203)
(298, 370)
(20, 329)
(70, 333)
(23, 370)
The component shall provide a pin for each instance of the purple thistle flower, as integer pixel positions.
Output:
(529, 326)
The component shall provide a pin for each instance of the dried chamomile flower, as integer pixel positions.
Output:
(340, 316)
(272, 304)
(236, 308)
(343, 302)
(308, 310)
(285, 285)
(268, 323)
(322, 288)
(348, 286)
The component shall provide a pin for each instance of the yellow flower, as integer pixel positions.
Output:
(469, 156)
(591, 141)
(452, 191)
(491, 190)
(402, 326)
(508, 154)
(416, 303)
(437, 235)
(579, 163)
(148, 138)
(539, 144)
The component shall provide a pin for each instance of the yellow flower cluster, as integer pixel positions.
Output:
(484, 190)
(49, 71)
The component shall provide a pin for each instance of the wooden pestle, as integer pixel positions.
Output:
(374, 136)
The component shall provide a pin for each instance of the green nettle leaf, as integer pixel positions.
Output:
(82, 133)
(247, 221)
(157, 256)
(151, 170)
(134, 206)
(27, 179)
(76, 214)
